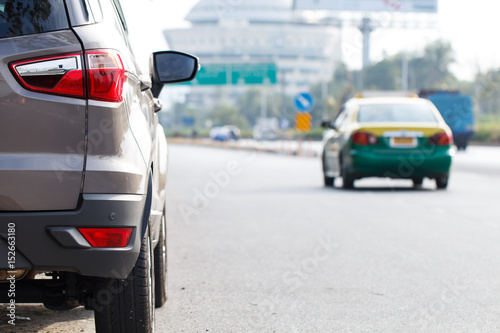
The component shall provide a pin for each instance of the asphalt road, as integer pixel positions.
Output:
(257, 244)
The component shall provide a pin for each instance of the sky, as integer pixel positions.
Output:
(471, 28)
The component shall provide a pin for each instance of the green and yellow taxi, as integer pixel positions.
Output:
(387, 136)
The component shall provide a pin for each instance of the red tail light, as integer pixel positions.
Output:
(61, 75)
(364, 138)
(106, 76)
(441, 139)
(64, 75)
(107, 237)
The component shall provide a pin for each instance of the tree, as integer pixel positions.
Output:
(487, 91)
(226, 114)
(432, 69)
(249, 105)
(384, 75)
(19, 12)
(338, 91)
(428, 71)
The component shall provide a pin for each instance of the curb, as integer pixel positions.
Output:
(287, 148)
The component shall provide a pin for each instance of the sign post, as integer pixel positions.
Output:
(303, 122)
(304, 103)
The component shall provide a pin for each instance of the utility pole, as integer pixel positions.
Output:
(283, 94)
(263, 100)
(404, 73)
(366, 29)
(324, 96)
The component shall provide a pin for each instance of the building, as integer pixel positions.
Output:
(258, 31)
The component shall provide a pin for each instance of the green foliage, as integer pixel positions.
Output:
(187, 133)
(226, 114)
(384, 75)
(487, 92)
(432, 70)
(338, 91)
(249, 105)
(316, 134)
(428, 71)
(17, 11)
(488, 129)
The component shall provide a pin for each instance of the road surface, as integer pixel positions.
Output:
(257, 244)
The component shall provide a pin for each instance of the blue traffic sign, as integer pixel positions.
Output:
(188, 121)
(304, 102)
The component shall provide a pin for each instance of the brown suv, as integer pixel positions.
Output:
(83, 162)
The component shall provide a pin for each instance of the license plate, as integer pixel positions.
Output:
(403, 142)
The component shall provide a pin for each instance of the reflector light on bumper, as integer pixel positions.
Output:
(107, 237)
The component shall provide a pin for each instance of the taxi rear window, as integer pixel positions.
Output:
(25, 17)
(370, 113)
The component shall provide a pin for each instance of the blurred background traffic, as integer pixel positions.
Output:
(260, 58)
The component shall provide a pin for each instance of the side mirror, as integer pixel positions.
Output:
(327, 124)
(172, 67)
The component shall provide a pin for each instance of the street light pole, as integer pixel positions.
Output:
(366, 29)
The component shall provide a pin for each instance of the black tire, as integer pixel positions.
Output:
(329, 181)
(127, 305)
(442, 182)
(417, 181)
(160, 255)
(347, 180)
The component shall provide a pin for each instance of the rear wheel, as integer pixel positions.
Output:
(160, 254)
(348, 182)
(347, 179)
(329, 181)
(418, 181)
(442, 182)
(127, 305)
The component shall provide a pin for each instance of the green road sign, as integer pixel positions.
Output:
(235, 74)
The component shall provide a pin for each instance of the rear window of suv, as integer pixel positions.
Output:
(25, 17)
(370, 113)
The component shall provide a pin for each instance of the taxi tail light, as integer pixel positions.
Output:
(364, 139)
(441, 139)
(107, 237)
(65, 75)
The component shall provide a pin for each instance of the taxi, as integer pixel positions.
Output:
(401, 137)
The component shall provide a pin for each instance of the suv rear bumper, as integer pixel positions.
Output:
(49, 241)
